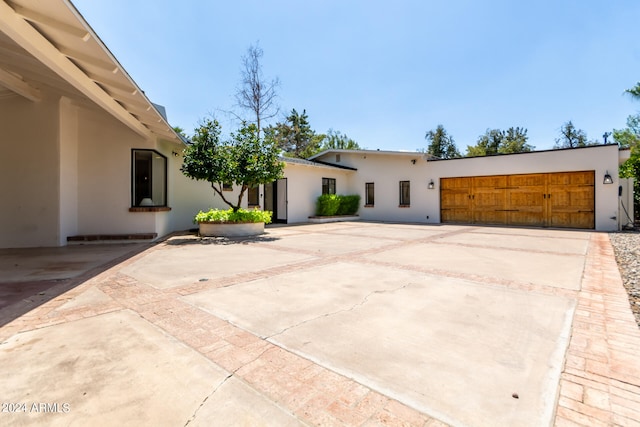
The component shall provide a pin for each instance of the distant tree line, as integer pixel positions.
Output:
(496, 141)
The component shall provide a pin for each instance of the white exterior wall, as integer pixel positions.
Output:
(104, 168)
(68, 185)
(71, 175)
(387, 170)
(105, 184)
(30, 172)
(304, 186)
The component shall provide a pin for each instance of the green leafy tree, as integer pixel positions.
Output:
(630, 137)
(487, 144)
(246, 159)
(295, 137)
(441, 144)
(571, 137)
(634, 91)
(336, 140)
(514, 140)
(179, 130)
(496, 141)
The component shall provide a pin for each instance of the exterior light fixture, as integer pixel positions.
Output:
(413, 161)
(607, 178)
(431, 185)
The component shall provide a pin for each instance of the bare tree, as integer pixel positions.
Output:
(255, 93)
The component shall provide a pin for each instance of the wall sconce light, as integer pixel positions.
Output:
(607, 178)
(431, 185)
(413, 161)
(175, 154)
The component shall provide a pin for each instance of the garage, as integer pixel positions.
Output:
(564, 199)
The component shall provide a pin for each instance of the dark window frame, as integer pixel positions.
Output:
(253, 196)
(140, 190)
(328, 185)
(405, 193)
(369, 196)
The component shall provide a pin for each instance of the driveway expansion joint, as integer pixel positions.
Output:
(344, 310)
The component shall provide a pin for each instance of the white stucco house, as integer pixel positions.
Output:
(88, 157)
(573, 188)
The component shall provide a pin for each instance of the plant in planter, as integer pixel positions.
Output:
(245, 160)
(229, 223)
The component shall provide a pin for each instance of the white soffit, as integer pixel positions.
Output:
(55, 33)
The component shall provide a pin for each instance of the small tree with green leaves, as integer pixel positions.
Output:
(245, 160)
(488, 144)
(630, 137)
(295, 137)
(496, 141)
(336, 140)
(441, 144)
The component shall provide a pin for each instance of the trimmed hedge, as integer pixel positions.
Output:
(332, 204)
(348, 204)
(327, 205)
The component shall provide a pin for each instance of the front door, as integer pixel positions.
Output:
(275, 200)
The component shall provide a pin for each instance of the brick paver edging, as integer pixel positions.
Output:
(600, 383)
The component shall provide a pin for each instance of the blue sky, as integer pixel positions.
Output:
(385, 72)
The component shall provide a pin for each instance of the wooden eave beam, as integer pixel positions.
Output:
(19, 86)
(39, 18)
(89, 60)
(26, 36)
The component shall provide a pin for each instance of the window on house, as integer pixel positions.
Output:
(369, 194)
(227, 186)
(149, 178)
(253, 196)
(337, 158)
(328, 186)
(405, 193)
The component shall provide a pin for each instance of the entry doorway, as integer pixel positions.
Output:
(275, 200)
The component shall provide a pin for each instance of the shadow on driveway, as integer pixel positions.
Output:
(29, 277)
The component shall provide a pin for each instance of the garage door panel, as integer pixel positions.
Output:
(490, 217)
(571, 198)
(455, 184)
(571, 219)
(489, 182)
(535, 180)
(536, 219)
(529, 198)
(572, 178)
(455, 200)
(565, 199)
(455, 215)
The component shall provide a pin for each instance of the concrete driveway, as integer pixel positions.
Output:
(334, 324)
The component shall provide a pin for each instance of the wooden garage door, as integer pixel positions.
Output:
(556, 200)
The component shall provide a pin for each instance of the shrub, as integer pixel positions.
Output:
(332, 204)
(327, 205)
(348, 205)
(240, 216)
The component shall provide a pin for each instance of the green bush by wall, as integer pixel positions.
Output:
(348, 205)
(333, 204)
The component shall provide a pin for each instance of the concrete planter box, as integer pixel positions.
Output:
(335, 218)
(231, 229)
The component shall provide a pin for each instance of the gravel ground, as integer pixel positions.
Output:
(626, 245)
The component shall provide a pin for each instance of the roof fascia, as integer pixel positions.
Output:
(26, 36)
